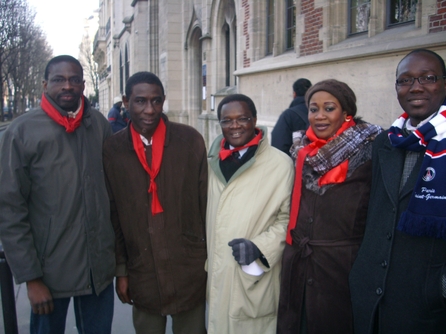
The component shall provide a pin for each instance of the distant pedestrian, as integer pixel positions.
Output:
(54, 210)
(115, 118)
(293, 119)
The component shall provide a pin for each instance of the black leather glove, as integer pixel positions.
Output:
(244, 251)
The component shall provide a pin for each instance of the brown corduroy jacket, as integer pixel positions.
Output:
(163, 255)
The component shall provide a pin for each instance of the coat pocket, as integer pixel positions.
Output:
(253, 296)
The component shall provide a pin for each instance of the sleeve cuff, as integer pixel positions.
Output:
(121, 270)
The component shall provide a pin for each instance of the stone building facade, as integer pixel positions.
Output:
(205, 49)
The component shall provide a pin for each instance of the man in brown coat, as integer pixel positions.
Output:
(156, 173)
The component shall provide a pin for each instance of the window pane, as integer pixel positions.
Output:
(270, 26)
(402, 11)
(290, 23)
(359, 16)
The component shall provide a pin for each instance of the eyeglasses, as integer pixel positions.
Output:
(226, 123)
(428, 79)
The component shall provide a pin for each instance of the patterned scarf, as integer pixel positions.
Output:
(226, 153)
(69, 123)
(330, 159)
(426, 214)
(158, 140)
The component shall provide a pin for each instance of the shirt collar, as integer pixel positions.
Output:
(410, 127)
(145, 141)
(73, 114)
(241, 152)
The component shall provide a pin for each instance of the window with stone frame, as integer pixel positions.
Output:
(121, 74)
(359, 16)
(401, 11)
(290, 24)
(127, 64)
(270, 26)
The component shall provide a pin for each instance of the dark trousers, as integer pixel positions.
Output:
(187, 322)
(94, 314)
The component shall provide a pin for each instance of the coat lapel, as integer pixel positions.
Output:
(391, 162)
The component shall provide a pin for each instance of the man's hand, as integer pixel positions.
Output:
(244, 251)
(40, 297)
(122, 289)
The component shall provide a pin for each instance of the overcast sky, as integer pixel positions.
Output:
(62, 22)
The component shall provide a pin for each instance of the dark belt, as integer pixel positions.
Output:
(306, 243)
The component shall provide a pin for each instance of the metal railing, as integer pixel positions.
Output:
(8, 297)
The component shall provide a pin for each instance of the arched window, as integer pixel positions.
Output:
(226, 31)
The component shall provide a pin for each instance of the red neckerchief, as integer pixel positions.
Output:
(70, 124)
(226, 153)
(335, 175)
(158, 139)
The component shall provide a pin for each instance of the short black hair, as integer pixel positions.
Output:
(237, 98)
(62, 59)
(300, 86)
(432, 53)
(142, 77)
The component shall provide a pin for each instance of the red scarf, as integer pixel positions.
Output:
(336, 175)
(69, 123)
(158, 139)
(226, 153)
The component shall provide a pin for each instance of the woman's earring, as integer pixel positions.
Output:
(348, 119)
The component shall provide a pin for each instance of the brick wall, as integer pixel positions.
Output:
(245, 33)
(437, 22)
(313, 23)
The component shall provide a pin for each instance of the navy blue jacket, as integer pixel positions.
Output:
(293, 119)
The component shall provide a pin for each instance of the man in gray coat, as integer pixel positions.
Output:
(398, 282)
(54, 210)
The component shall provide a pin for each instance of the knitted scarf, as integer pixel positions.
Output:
(69, 123)
(226, 153)
(158, 140)
(426, 214)
(330, 158)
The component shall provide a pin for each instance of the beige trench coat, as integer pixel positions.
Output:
(254, 204)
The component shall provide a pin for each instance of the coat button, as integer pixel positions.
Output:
(389, 236)
(310, 281)
(384, 264)
(379, 291)
(310, 220)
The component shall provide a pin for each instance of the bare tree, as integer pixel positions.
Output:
(10, 14)
(23, 54)
(27, 68)
(90, 67)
